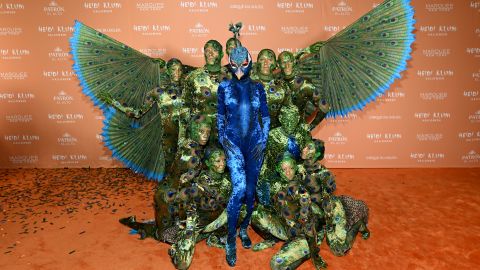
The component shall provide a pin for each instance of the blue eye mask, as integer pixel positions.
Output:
(241, 59)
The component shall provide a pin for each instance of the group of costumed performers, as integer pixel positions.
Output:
(231, 146)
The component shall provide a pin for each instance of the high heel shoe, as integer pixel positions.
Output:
(231, 251)
(246, 242)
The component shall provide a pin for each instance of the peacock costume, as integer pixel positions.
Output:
(165, 119)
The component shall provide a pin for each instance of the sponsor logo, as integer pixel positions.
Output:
(473, 51)
(438, 30)
(23, 159)
(198, 6)
(333, 28)
(10, 31)
(427, 117)
(154, 52)
(105, 158)
(150, 6)
(21, 97)
(377, 158)
(67, 140)
(13, 54)
(472, 95)
(347, 118)
(471, 157)
(53, 9)
(19, 118)
(254, 29)
(384, 137)
(427, 157)
(65, 118)
(109, 30)
(62, 75)
(102, 7)
(475, 117)
(385, 117)
(433, 137)
(13, 75)
(436, 52)
(62, 98)
(58, 54)
(10, 8)
(56, 31)
(246, 6)
(21, 139)
(435, 75)
(476, 76)
(392, 96)
(193, 52)
(469, 136)
(294, 30)
(151, 29)
(342, 9)
(339, 158)
(475, 5)
(439, 7)
(295, 7)
(338, 139)
(69, 158)
(199, 30)
(433, 95)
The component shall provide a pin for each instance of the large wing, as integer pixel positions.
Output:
(105, 65)
(359, 63)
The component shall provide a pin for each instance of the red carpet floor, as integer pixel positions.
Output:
(68, 219)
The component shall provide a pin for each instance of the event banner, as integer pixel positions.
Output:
(429, 118)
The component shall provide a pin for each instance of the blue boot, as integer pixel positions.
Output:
(231, 251)
(246, 242)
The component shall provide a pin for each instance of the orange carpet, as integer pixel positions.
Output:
(68, 219)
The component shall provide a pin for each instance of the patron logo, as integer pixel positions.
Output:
(427, 157)
(471, 157)
(339, 158)
(53, 9)
(21, 139)
(295, 7)
(151, 30)
(67, 140)
(469, 136)
(62, 75)
(10, 31)
(475, 117)
(385, 117)
(435, 75)
(198, 30)
(437, 30)
(13, 75)
(473, 95)
(392, 96)
(23, 159)
(198, 6)
(342, 9)
(150, 6)
(384, 137)
(56, 31)
(58, 55)
(475, 52)
(65, 118)
(19, 118)
(10, 8)
(241, 6)
(102, 6)
(13, 54)
(378, 158)
(439, 7)
(475, 5)
(337, 138)
(432, 137)
(294, 30)
(254, 29)
(62, 98)
(476, 76)
(433, 96)
(69, 158)
(349, 117)
(21, 97)
(427, 117)
(193, 52)
(154, 52)
(436, 52)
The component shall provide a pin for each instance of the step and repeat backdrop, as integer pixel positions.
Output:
(429, 118)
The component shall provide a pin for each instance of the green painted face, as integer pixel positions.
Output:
(213, 54)
(286, 62)
(175, 72)
(200, 129)
(287, 167)
(267, 62)
(289, 118)
(308, 152)
(216, 161)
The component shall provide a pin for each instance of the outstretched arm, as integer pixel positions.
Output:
(150, 100)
